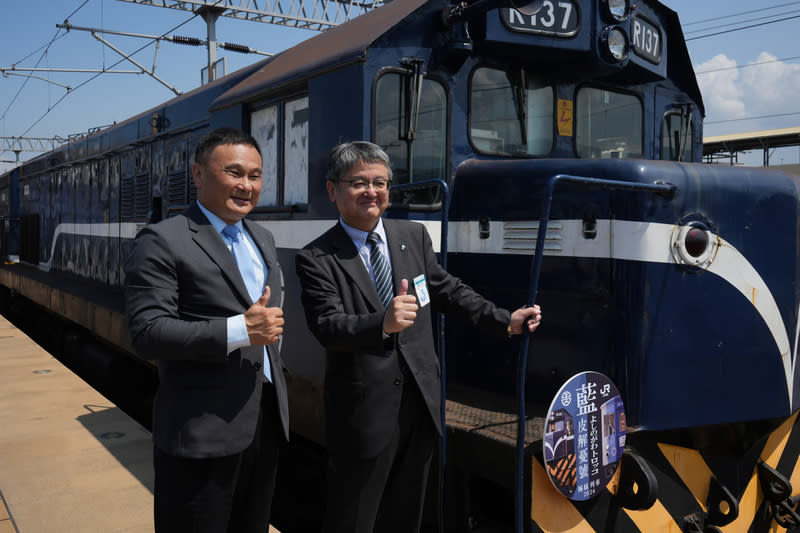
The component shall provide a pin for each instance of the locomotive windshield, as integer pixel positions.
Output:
(511, 113)
(608, 124)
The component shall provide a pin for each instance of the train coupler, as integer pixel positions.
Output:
(778, 500)
(698, 523)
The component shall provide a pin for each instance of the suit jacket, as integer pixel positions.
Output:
(363, 377)
(182, 283)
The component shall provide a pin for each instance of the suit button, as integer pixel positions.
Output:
(258, 366)
(398, 381)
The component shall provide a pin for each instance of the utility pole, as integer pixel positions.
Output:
(210, 14)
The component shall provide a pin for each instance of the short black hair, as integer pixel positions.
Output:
(221, 136)
(345, 156)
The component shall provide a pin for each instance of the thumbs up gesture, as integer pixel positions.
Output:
(264, 324)
(402, 310)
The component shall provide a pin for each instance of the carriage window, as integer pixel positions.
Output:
(264, 128)
(677, 137)
(608, 124)
(418, 157)
(511, 113)
(282, 129)
(295, 152)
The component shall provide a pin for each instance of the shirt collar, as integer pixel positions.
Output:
(218, 223)
(359, 237)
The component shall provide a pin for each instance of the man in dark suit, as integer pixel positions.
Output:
(201, 293)
(368, 300)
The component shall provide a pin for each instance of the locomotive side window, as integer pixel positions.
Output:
(421, 155)
(608, 124)
(677, 137)
(264, 128)
(510, 113)
(282, 133)
(295, 152)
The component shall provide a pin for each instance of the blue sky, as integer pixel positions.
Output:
(744, 74)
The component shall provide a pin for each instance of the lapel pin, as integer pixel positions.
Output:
(402, 247)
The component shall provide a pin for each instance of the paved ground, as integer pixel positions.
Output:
(70, 460)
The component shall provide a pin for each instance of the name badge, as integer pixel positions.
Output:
(421, 289)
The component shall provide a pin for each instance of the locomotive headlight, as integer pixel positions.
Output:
(615, 43)
(618, 9)
(693, 244)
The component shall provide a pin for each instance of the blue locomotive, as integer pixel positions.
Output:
(553, 154)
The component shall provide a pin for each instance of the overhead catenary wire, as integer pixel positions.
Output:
(765, 17)
(761, 10)
(46, 47)
(92, 78)
(778, 115)
(762, 20)
(741, 28)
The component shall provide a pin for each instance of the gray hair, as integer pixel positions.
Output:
(347, 155)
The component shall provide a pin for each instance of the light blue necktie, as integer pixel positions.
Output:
(247, 268)
(380, 269)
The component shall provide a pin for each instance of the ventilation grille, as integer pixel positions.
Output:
(520, 236)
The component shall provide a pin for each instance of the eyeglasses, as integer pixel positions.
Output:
(363, 185)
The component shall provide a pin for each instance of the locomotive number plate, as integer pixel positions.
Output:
(557, 17)
(646, 40)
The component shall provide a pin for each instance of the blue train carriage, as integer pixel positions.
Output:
(499, 122)
(72, 213)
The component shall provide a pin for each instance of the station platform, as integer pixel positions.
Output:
(70, 460)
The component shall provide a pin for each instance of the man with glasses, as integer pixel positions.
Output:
(368, 287)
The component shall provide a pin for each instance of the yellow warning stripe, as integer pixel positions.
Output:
(657, 518)
(692, 469)
(553, 512)
(694, 472)
(550, 509)
(752, 497)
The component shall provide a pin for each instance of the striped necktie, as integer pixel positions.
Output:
(380, 269)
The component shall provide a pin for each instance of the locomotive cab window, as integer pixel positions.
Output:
(608, 124)
(414, 135)
(511, 113)
(677, 137)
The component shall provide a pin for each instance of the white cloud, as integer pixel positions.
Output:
(721, 88)
(770, 87)
(762, 87)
